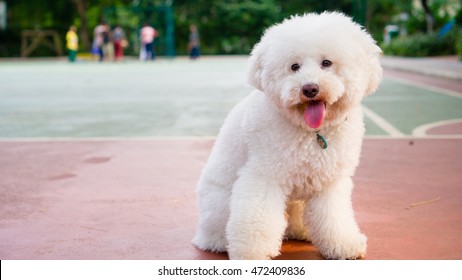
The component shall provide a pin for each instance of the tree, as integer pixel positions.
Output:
(428, 16)
(81, 6)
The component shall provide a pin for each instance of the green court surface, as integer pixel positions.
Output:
(407, 107)
(171, 98)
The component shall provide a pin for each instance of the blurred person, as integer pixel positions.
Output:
(147, 34)
(108, 44)
(98, 41)
(95, 50)
(72, 42)
(142, 52)
(142, 49)
(194, 43)
(120, 42)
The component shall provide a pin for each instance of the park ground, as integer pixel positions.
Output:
(100, 160)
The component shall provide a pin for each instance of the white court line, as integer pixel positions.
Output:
(421, 131)
(382, 123)
(443, 91)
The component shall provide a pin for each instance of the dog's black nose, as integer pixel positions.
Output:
(310, 90)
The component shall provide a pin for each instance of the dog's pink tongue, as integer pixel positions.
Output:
(314, 113)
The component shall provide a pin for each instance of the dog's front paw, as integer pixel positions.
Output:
(253, 250)
(246, 256)
(251, 255)
(348, 248)
(210, 242)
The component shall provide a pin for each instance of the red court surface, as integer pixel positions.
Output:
(134, 199)
(447, 129)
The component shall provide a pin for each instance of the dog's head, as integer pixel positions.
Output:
(316, 67)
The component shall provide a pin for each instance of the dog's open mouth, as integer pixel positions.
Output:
(314, 113)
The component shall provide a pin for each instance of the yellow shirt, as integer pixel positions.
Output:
(72, 40)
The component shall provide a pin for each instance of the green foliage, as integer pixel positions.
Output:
(383, 12)
(419, 45)
(233, 26)
(240, 25)
(225, 26)
(11, 49)
(459, 44)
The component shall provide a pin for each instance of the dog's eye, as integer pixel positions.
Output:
(326, 63)
(295, 67)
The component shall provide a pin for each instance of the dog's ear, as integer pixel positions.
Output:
(374, 69)
(255, 70)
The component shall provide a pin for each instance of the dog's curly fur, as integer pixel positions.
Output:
(267, 177)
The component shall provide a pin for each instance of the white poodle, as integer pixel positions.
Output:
(282, 164)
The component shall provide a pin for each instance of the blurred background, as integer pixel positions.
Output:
(402, 27)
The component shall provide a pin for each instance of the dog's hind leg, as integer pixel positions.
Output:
(214, 212)
(214, 191)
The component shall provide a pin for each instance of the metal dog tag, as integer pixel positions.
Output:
(321, 141)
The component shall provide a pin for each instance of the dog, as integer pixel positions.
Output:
(282, 163)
